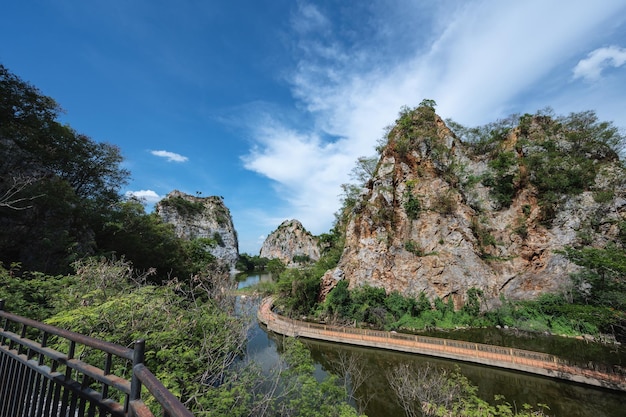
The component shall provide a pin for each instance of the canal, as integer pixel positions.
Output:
(563, 398)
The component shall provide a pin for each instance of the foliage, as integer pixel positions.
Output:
(416, 128)
(151, 244)
(482, 234)
(338, 301)
(600, 287)
(364, 170)
(502, 179)
(64, 201)
(249, 263)
(194, 341)
(412, 205)
(60, 181)
(307, 397)
(301, 258)
(430, 391)
(558, 155)
(31, 294)
(414, 248)
(186, 353)
(183, 206)
(445, 203)
(603, 280)
(551, 312)
(473, 303)
(275, 266)
(298, 290)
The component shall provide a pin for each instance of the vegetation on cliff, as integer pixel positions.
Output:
(553, 158)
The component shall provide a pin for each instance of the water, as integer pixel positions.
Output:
(564, 398)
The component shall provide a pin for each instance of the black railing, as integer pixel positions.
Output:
(44, 371)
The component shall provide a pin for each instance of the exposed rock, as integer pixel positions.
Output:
(291, 243)
(329, 281)
(202, 217)
(428, 223)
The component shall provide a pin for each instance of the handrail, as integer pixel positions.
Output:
(38, 380)
(505, 357)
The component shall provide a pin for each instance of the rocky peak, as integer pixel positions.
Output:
(202, 217)
(442, 216)
(291, 243)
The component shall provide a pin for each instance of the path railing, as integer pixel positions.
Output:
(38, 380)
(612, 377)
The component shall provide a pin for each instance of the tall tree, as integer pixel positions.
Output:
(55, 184)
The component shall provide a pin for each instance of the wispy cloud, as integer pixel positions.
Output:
(476, 60)
(170, 156)
(591, 67)
(146, 196)
(308, 18)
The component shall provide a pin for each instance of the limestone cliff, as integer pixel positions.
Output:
(291, 243)
(442, 215)
(202, 217)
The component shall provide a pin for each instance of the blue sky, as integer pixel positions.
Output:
(269, 103)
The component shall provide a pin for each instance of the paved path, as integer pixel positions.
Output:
(498, 356)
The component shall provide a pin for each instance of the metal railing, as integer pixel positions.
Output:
(44, 372)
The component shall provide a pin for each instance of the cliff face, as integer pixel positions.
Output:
(291, 242)
(441, 217)
(202, 217)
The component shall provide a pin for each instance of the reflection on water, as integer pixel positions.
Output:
(564, 398)
(576, 350)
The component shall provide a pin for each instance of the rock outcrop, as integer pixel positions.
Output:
(441, 218)
(292, 244)
(202, 217)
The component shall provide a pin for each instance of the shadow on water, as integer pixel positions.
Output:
(575, 350)
(565, 399)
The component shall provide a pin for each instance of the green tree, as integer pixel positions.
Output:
(603, 280)
(299, 290)
(307, 397)
(362, 172)
(57, 182)
(127, 231)
(338, 300)
(275, 266)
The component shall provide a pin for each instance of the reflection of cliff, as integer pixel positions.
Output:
(202, 217)
(291, 243)
(564, 399)
(442, 216)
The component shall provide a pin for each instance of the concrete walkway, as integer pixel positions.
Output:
(498, 356)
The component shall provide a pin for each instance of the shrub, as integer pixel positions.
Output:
(414, 248)
(412, 205)
(183, 206)
(445, 203)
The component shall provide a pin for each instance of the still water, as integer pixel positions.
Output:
(565, 399)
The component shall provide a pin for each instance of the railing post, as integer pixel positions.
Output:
(1, 305)
(135, 384)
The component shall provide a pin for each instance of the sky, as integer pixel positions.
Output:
(269, 103)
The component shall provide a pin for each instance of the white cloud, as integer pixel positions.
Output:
(308, 19)
(591, 67)
(475, 64)
(147, 196)
(171, 156)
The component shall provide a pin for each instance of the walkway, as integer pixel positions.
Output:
(502, 357)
